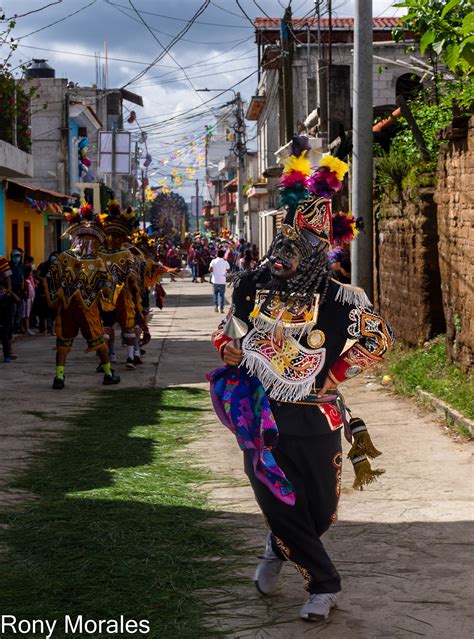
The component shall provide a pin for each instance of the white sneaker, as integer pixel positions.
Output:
(268, 570)
(318, 606)
(113, 358)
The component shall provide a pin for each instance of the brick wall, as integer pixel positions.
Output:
(455, 202)
(408, 279)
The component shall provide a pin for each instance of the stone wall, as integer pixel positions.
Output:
(455, 202)
(408, 281)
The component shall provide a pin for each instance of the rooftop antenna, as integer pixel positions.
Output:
(106, 70)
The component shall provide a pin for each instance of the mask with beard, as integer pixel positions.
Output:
(298, 266)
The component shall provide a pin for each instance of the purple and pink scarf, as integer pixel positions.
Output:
(241, 404)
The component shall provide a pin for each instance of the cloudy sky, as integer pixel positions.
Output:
(217, 52)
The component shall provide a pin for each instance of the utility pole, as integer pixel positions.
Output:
(114, 159)
(328, 77)
(287, 54)
(240, 152)
(143, 193)
(362, 169)
(196, 204)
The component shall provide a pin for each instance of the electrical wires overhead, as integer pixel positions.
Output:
(165, 49)
(70, 15)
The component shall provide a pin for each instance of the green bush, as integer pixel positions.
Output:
(430, 369)
(391, 170)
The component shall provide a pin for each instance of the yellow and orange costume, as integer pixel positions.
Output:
(75, 284)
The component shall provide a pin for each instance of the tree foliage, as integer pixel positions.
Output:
(445, 28)
(14, 99)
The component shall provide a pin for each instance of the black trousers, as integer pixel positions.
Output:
(313, 465)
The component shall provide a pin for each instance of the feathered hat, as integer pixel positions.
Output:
(144, 241)
(83, 221)
(118, 221)
(307, 196)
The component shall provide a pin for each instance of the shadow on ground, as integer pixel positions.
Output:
(116, 529)
(201, 300)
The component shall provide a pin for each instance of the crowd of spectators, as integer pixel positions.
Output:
(23, 305)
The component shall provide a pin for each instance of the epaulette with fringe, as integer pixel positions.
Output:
(235, 279)
(353, 295)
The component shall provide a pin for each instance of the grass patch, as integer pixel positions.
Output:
(117, 528)
(429, 368)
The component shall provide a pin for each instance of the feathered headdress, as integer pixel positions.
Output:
(119, 221)
(296, 169)
(144, 241)
(308, 196)
(328, 177)
(83, 221)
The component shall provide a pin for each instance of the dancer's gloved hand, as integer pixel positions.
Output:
(328, 385)
(232, 355)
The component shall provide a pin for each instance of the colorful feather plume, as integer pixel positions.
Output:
(327, 179)
(290, 180)
(71, 215)
(291, 197)
(335, 165)
(296, 169)
(113, 208)
(297, 163)
(87, 212)
(323, 183)
(344, 227)
(299, 144)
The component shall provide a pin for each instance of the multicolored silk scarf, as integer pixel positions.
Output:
(241, 404)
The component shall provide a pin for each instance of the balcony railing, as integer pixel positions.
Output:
(227, 202)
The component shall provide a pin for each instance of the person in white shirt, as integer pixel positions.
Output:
(219, 268)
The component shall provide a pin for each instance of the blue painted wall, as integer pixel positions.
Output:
(73, 161)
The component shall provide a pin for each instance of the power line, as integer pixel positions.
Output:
(143, 63)
(232, 13)
(193, 77)
(260, 8)
(169, 35)
(209, 64)
(160, 15)
(245, 14)
(28, 13)
(166, 49)
(70, 15)
(188, 111)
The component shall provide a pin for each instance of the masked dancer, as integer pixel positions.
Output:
(278, 393)
(74, 284)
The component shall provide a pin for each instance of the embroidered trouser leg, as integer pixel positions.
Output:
(69, 321)
(313, 465)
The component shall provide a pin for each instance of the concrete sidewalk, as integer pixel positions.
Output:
(403, 546)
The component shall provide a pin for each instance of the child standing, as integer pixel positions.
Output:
(28, 299)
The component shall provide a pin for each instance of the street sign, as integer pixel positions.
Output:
(119, 162)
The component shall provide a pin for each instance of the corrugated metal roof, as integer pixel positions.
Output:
(337, 23)
(32, 187)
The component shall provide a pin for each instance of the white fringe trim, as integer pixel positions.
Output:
(348, 294)
(276, 387)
